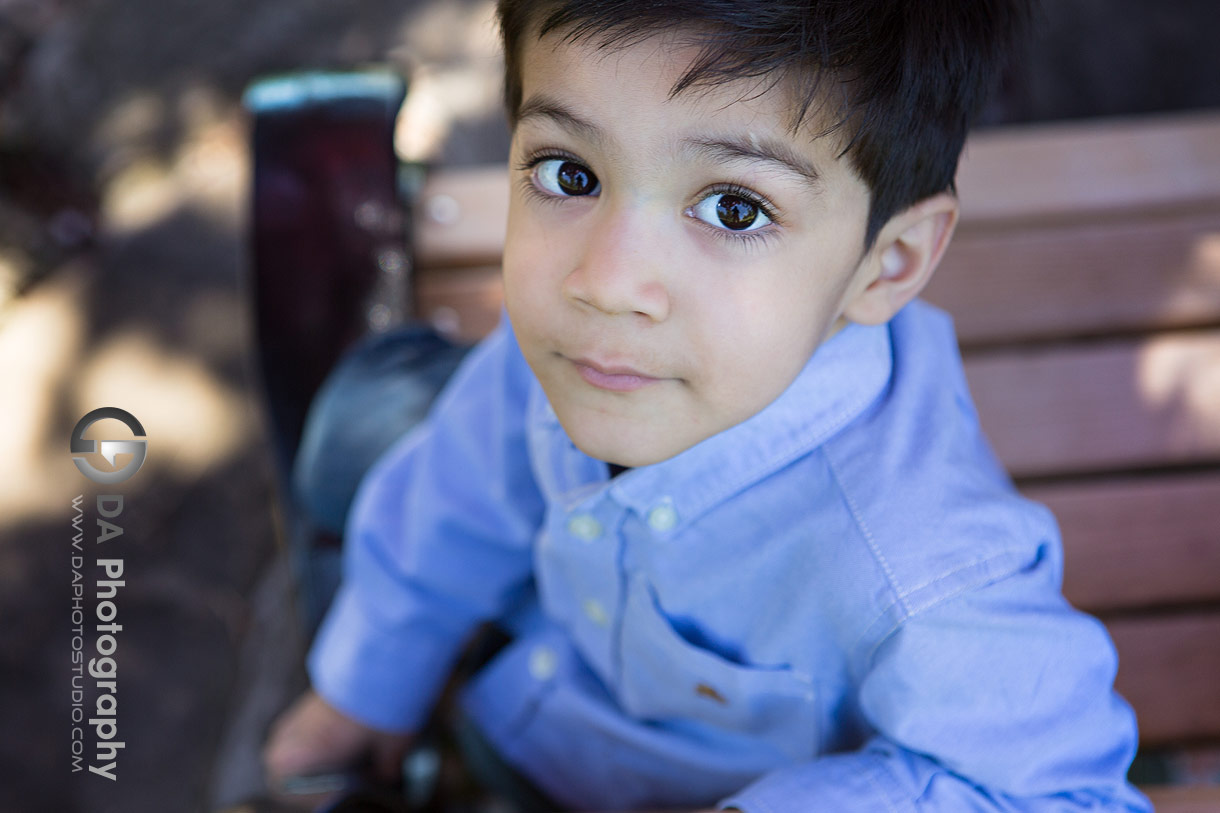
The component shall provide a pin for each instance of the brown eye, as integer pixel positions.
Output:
(575, 179)
(732, 211)
(736, 213)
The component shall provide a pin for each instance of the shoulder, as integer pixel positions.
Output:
(934, 507)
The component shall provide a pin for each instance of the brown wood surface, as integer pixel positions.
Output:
(1013, 285)
(1138, 542)
(463, 302)
(1121, 405)
(1050, 172)
(1189, 799)
(1169, 671)
(460, 217)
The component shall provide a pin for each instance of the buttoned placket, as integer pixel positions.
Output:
(578, 558)
(581, 581)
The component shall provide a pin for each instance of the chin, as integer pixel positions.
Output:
(614, 450)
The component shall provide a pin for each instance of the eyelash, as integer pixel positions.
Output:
(750, 238)
(529, 164)
(746, 238)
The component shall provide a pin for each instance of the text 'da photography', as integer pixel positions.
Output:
(98, 576)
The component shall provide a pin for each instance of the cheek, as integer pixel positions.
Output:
(524, 268)
(753, 315)
(756, 341)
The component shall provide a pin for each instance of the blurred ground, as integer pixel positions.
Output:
(125, 175)
(123, 183)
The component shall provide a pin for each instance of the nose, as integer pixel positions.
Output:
(620, 268)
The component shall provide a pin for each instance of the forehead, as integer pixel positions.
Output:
(654, 67)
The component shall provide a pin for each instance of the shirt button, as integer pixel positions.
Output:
(596, 612)
(543, 663)
(584, 526)
(662, 518)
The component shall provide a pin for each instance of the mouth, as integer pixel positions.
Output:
(612, 377)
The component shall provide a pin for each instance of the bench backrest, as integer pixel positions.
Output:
(1085, 283)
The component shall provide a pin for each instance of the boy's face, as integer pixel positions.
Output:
(671, 264)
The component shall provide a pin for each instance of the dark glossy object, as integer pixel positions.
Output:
(328, 231)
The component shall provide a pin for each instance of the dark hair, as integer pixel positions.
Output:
(904, 78)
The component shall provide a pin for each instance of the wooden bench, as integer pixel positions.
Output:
(1085, 282)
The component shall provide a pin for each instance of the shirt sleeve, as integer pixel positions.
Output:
(439, 538)
(999, 699)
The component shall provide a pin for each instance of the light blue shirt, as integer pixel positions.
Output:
(840, 604)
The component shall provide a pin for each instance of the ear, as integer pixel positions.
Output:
(901, 261)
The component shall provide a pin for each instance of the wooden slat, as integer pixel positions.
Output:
(1138, 542)
(1169, 671)
(1055, 171)
(1081, 280)
(1120, 406)
(461, 216)
(1190, 799)
(463, 302)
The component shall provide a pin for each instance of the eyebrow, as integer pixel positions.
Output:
(765, 150)
(545, 107)
(723, 149)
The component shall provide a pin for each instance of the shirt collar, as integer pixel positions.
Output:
(839, 381)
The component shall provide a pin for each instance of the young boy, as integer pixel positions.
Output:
(717, 472)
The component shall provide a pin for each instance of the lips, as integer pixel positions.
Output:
(615, 378)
